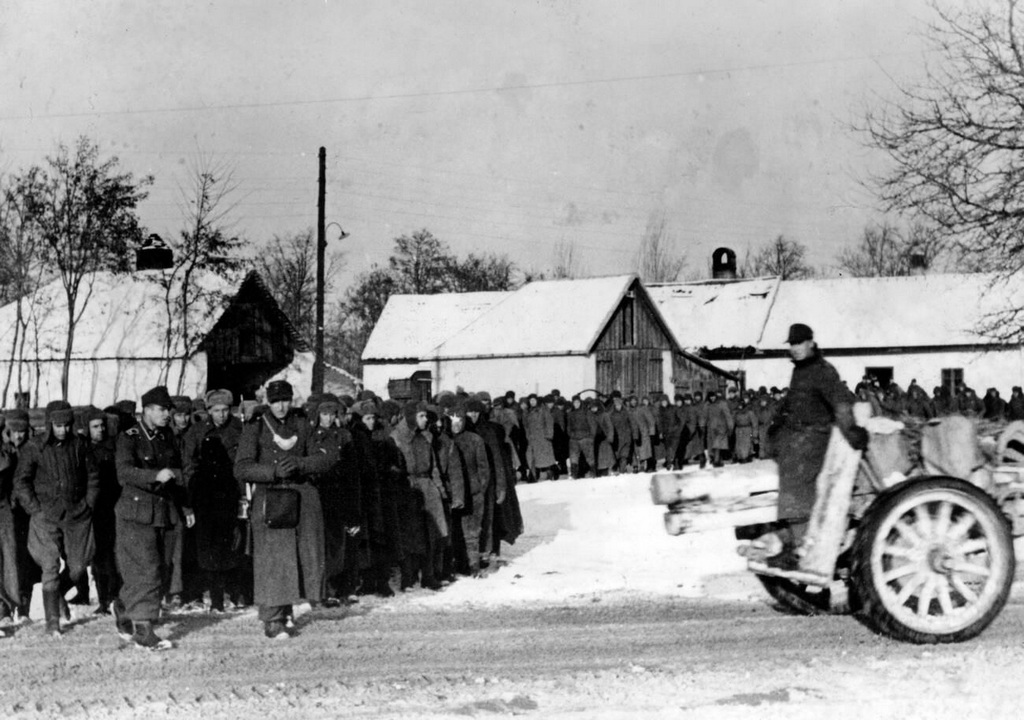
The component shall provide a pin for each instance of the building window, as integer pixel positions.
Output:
(628, 330)
(882, 374)
(952, 378)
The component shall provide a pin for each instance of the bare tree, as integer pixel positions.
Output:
(288, 266)
(568, 263)
(955, 139)
(783, 258)
(886, 251)
(21, 266)
(85, 211)
(204, 248)
(657, 259)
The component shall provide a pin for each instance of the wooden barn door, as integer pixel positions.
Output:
(629, 371)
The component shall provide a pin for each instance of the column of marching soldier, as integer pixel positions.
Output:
(188, 506)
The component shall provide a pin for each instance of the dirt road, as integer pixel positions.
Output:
(648, 658)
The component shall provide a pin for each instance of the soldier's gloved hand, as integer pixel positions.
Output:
(286, 467)
(165, 475)
(857, 437)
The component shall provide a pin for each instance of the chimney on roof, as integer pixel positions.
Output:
(153, 254)
(918, 263)
(723, 264)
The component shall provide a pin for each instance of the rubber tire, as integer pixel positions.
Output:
(873, 608)
(793, 597)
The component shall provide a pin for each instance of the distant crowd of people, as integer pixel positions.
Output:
(895, 402)
(580, 437)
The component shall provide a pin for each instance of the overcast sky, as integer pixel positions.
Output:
(500, 126)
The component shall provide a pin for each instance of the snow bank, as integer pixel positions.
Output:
(603, 537)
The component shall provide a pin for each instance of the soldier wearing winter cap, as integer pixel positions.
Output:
(288, 560)
(20, 573)
(181, 414)
(151, 514)
(208, 461)
(57, 483)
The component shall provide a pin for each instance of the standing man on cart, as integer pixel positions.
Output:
(799, 435)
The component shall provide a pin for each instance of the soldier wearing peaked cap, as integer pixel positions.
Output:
(799, 436)
(150, 513)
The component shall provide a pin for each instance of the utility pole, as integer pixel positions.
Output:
(321, 246)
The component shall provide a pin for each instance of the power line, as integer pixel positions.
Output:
(462, 91)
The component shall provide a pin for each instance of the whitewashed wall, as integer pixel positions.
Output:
(1001, 369)
(102, 382)
(568, 373)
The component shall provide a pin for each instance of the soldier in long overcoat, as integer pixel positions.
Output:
(581, 427)
(345, 555)
(540, 432)
(604, 440)
(57, 483)
(719, 426)
(507, 520)
(428, 531)
(210, 448)
(646, 429)
(817, 400)
(625, 432)
(288, 563)
(472, 491)
(670, 429)
(746, 431)
(764, 408)
(150, 514)
(696, 420)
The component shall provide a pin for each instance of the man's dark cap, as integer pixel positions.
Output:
(182, 404)
(17, 419)
(279, 390)
(125, 406)
(158, 396)
(798, 333)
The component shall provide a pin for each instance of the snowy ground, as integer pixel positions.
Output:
(596, 612)
(604, 537)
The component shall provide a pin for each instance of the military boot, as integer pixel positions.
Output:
(51, 610)
(145, 639)
(122, 624)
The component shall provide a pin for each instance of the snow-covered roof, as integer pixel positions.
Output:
(916, 311)
(716, 314)
(124, 317)
(546, 317)
(412, 325)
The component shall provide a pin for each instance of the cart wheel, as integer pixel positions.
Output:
(794, 597)
(934, 562)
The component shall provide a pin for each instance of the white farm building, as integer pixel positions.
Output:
(928, 328)
(600, 334)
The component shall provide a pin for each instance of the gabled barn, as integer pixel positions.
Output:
(598, 334)
(125, 342)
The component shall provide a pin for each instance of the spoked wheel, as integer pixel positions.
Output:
(934, 562)
(795, 598)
